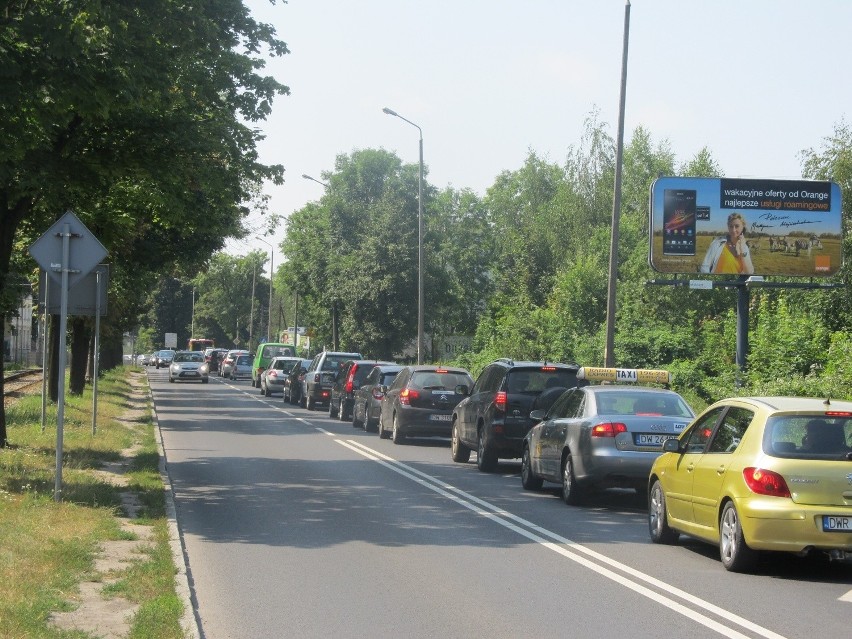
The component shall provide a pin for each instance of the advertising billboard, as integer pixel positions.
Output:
(746, 226)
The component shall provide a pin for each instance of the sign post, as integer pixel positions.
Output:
(53, 253)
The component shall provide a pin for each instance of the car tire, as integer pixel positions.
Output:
(570, 490)
(264, 390)
(369, 424)
(331, 412)
(460, 453)
(486, 458)
(171, 379)
(734, 551)
(658, 522)
(528, 480)
(343, 414)
(396, 434)
(310, 404)
(205, 380)
(357, 423)
(383, 434)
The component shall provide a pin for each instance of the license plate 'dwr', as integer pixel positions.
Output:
(651, 439)
(833, 523)
(440, 418)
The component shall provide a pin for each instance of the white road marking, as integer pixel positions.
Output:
(571, 550)
(846, 597)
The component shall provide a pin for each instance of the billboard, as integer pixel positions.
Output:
(790, 228)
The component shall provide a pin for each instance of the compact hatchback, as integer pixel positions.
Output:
(273, 376)
(420, 401)
(241, 367)
(188, 366)
(317, 383)
(758, 474)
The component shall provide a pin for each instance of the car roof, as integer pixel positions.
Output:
(794, 404)
(527, 364)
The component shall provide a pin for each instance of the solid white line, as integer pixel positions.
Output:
(501, 517)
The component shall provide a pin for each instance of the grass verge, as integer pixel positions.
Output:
(47, 547)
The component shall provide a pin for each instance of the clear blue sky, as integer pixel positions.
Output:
(756, 81)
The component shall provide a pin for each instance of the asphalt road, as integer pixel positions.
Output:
(299, 525)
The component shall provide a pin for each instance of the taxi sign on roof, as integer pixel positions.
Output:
(624, 375)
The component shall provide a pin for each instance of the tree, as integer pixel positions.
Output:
(135, 115)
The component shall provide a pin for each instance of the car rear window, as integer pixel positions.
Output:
(808, 436)
(434, 380)
(387, 378)
(244, 359)
(647, 403)
(533, 381)
(333, 363)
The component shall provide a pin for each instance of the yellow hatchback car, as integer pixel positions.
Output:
(758, 473)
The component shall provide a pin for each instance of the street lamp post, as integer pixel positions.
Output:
(334, 340)
(419, 238)
(271, 272)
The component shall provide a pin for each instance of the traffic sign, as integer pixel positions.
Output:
(85, 251)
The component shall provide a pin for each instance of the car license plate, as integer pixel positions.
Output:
(440, 418)
(651, 439)
(832, 523)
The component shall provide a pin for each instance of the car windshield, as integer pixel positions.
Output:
(438, 380)
(808, 436)
(537, 380)
(642, 403)
(188, 357)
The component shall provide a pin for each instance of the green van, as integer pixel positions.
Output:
(265, 353)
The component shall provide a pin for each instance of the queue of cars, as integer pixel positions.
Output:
(748, 474)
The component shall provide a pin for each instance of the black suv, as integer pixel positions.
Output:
(348, 380)
(321, 375)
(495, 416)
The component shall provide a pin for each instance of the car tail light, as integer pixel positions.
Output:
(608, 429)
(317, 378)
(260, 369)
(838, 413)
(548, 368)
(325, 393)
(273, 373)
(500, 401)
(765, 482)
(441, 370)
(377, 393)
(406, 395)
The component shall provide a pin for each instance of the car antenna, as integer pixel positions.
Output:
(827, 401)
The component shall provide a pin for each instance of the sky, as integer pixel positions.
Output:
(488, 81)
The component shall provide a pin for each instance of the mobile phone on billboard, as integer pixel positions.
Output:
(679, 222)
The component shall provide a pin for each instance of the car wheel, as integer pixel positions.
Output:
(459, 451)
(658, 523)
(397, 434)
(171, 379)
(264, 390)
(204, 380)
(570, 490)
(357, 423)
(310, 404)
(733, 549)
(486, 458)
(369, 424)
(528, 480)
(383, 434)
(331, 411)
(343, 414)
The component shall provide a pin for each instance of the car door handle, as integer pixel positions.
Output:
(720, 470)
(690, 468)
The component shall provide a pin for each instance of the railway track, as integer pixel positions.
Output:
(16, 384)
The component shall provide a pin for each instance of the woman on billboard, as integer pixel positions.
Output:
(729, 254)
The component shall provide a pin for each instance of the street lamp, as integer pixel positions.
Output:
(271, 272)
(334, 344)
(419, 239)
(313, 179)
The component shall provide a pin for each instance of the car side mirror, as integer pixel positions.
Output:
(383, 388)
(671, 446)
(538, 415)
(462, 389)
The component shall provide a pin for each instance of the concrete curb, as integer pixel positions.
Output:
(189, 621)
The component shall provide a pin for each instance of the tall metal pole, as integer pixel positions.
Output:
(271, 272)
(609, 354)
(63, 328)
(44, 360)
(251, 312)
(96, 358)
(420, 330)
(192, 318)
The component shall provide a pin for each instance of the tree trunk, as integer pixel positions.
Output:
(80, 334)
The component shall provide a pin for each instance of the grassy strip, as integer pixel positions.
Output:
(48, 548)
